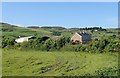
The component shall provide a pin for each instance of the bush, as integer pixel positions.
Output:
(61, 42)
(113, 47)
(7, 42)
(48, 44)
(107, 72)
(106, 44)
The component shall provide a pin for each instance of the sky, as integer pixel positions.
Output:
(66, 14)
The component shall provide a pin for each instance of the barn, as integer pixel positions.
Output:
(81, 37)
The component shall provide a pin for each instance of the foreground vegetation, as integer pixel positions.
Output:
(107, 44)
(38, 63)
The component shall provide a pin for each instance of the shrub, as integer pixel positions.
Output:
(7, 41)
(107, 72)
(48, 44)
(61, 42)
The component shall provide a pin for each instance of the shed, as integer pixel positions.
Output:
(23, 39)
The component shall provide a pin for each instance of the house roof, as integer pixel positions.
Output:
(27, 37)
(82, 33)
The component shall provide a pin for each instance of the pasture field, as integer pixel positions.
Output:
(38, 63)
(17, 60)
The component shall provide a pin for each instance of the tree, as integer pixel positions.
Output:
(48, 44)
(61, 42)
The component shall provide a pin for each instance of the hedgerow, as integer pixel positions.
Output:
(106, 44)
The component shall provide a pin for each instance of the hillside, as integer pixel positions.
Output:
(38, 63)
(15, 31)
(42, 56)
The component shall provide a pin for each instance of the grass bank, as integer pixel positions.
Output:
(38, 63)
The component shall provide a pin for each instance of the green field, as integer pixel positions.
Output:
(99, 58)
(38, 63)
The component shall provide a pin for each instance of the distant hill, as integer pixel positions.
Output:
(74, 28)
(7, 27)
(10, 30)
(35, 27)
(15, 31)
(53, 27)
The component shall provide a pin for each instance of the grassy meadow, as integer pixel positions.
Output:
(33, 62)
(38, 63)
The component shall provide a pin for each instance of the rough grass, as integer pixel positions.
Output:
(0, 63)
(38, 63)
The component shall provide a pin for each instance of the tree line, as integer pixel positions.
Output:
(93, 28)
(105, 44)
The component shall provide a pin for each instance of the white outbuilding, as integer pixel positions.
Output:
(23, 39)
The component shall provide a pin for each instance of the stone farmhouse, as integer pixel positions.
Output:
(81, 37)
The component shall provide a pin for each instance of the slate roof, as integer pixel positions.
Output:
(82, 33)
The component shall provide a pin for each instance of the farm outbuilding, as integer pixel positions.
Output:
(23, 39)
(81, 37)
